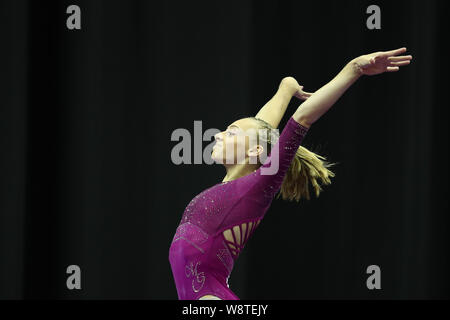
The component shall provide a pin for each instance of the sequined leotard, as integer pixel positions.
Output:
(201, 254)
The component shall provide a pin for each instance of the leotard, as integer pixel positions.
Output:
(201, 254)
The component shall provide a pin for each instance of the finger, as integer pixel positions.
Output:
(397, 51)
(305, 97)
(399, 58)
(394, 52)
(392, 69)
(400, 63)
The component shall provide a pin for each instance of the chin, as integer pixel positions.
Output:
(215, 158)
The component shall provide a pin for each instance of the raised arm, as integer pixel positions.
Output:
(322, 100)
(273, 111)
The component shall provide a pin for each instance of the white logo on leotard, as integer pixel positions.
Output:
(199, 277)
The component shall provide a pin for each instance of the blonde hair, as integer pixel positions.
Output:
(306, 168)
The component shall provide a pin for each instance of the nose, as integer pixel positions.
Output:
(218, 136)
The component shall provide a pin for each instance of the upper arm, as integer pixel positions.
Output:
(301, 119)
(273, 111)
(269, 177)
(271, 116)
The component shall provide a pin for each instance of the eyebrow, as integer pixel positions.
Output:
(232, 126)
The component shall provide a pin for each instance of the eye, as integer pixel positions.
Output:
(229, 133)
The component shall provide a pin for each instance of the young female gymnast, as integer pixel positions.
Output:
(218, 222)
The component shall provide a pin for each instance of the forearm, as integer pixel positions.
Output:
(322, 100)
(273, 111)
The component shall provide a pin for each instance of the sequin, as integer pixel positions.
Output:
(239, 202)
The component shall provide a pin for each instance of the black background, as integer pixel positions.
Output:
(86, 118)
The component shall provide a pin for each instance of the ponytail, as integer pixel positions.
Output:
(306, 168)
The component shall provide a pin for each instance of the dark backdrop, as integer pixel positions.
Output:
(86, 120)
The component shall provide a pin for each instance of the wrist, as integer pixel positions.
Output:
(355, 68)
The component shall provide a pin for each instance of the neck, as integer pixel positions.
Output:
(236, 171)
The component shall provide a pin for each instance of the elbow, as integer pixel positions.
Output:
(301, 119)
(305, 123)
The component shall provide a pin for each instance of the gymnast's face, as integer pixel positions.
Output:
(237, 143)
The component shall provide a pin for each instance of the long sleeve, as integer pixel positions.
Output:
(267, 180)
(218, 222)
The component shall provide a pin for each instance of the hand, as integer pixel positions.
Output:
(302, 95)
(381, 61)
(294, 89)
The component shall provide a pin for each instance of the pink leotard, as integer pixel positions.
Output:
(200, 256)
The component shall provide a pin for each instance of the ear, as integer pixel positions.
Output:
(255, 151)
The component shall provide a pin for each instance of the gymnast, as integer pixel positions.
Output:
(218, 222)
